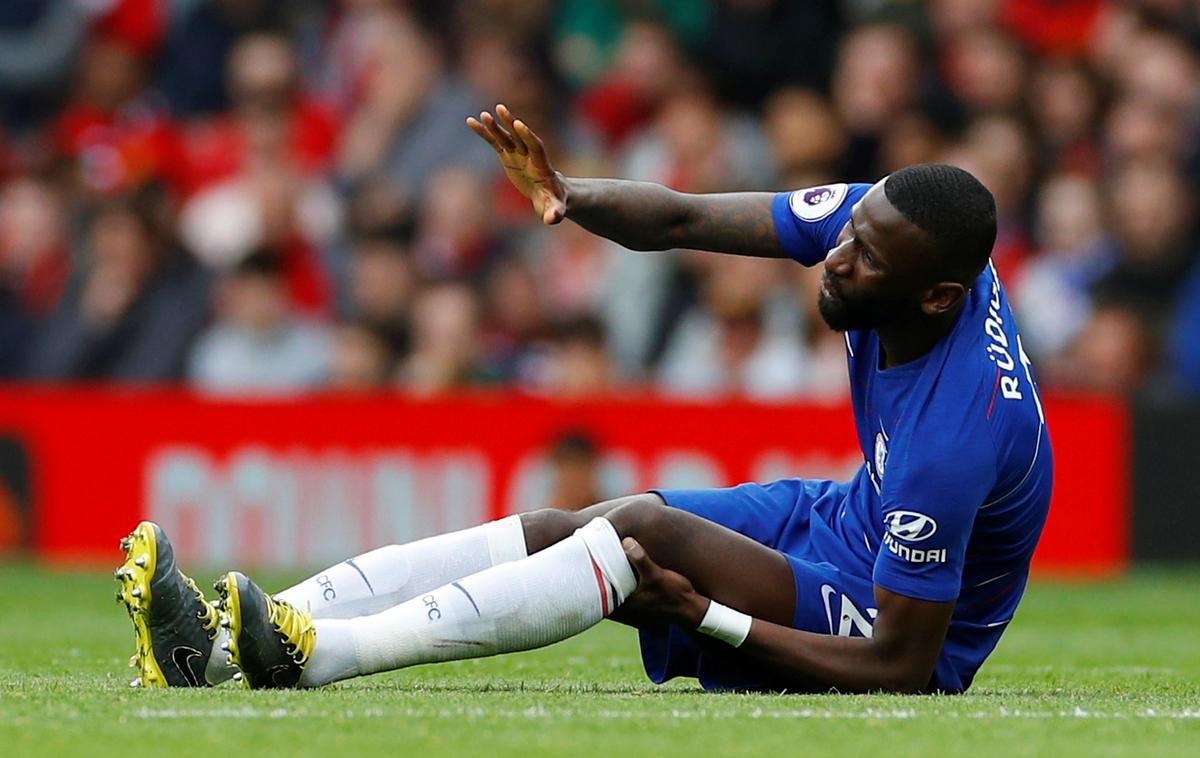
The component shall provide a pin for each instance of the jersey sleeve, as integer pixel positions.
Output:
(929, 500)
(808, 221)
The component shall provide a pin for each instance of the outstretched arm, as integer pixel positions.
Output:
(638, 215)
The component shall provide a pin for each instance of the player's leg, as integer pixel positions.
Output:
(387, 576)
(518, 605)
(546, 597)
(384, 577)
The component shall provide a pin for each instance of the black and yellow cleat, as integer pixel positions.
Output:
(173, 625)
(269, 640)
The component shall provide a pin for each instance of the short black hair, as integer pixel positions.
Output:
(585, 329)
(954, 209)
(574, 444)
(260, 263)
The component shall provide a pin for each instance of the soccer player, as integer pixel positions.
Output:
(900, 580)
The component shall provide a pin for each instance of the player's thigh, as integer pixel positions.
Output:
(774, 514)
(549, 526)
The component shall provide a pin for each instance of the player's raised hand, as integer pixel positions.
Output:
(523, 157)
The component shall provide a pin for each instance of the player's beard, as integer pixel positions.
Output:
(843, 314)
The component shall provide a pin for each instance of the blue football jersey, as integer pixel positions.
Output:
(955, 487)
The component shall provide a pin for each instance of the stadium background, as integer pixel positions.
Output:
(254, 269)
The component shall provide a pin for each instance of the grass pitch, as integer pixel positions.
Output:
(1086, 669)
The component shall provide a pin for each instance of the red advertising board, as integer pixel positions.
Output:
(307, 481)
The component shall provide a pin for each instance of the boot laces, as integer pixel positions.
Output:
(294, 626)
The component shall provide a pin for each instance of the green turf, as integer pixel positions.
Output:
(1087, 669)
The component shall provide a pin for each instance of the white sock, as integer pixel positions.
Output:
(375, 581)
(541, 599)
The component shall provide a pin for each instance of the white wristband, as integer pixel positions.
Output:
(725, 624)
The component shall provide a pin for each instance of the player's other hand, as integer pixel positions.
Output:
(523, 157)
(662, 595)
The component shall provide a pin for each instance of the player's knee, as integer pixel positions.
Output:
(547, 526)
(641, 517)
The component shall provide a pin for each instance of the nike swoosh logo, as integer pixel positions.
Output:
(284, 675)
(827, 592)
(182, 657)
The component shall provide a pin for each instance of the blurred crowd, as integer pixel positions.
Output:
(257, 196)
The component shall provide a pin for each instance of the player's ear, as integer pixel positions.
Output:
(942, 297)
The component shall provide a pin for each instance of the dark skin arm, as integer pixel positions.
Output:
(899, 657)
(637, 215)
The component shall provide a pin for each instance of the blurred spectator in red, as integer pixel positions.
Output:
(574, 472)
(361, 358)
(1054, 27)
(275, 198)
(139, 25)
(136, 305)
(264, 84)
(647, 70)
(33, 264)
(116, 132)
(259, 344)
(445, 341)
(33, 244)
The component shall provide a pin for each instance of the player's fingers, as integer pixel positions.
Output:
(503, 138)
(483, 132)
(638, 558)
(505, 117)
(533, 145)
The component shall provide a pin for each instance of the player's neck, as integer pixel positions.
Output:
(905, 342)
